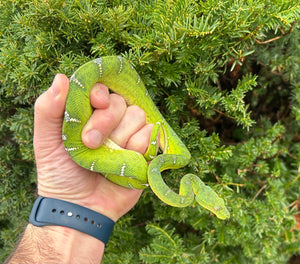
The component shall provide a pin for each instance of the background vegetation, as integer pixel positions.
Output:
(226, 76)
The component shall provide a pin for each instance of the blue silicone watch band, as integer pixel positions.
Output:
(49, 211)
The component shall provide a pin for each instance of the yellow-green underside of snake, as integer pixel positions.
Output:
(125, 167)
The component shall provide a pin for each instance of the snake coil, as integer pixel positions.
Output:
(125, 167)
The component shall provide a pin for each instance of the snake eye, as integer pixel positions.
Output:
(217, 208)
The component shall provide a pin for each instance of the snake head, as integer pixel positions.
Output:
(212, 202)
(221, 212)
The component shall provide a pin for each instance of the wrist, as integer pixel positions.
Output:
(57, 212)
(107, 198)
(99, 205)
(71, 243)
(57, 244)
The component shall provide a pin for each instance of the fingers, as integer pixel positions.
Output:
(50, 105)
(140, 140)
(99, 96)
(49, 111)
(103, 122)
(126, 126)
(133, 120)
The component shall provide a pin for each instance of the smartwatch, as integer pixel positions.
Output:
(49, 211)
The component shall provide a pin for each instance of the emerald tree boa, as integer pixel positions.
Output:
(125, 167)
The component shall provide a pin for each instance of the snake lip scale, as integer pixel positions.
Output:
(125, 167)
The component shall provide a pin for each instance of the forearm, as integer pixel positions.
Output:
(57, 244)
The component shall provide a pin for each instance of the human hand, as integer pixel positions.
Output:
(58, 176)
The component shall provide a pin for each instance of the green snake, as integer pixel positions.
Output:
(125, 167)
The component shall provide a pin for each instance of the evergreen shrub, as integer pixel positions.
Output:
(225, 74)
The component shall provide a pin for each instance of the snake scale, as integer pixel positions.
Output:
(125, 167)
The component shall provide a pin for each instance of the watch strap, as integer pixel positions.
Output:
(50, 211)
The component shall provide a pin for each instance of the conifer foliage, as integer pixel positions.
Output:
(226, 76)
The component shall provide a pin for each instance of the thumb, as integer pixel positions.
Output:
(48, 116)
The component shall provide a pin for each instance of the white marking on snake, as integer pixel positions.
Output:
(153, 142)
(73, 79)
(130, 186)
(121, 63)
(145, 184)
(92, 165)
(217, 208)
(155, 170)
(167, 192)
(99, 62)
(68, 118)
(181, 200)
(64, 137)
(122, 173)
(174, 159)
(188, 182)
(139, 79)
(72, 149)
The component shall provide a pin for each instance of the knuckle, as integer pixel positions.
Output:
(137, 112)
(38, 103)
(118, 100)
(108, 118)
(137, 145)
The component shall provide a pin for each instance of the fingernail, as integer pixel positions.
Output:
(93, 138)
(102, 96)
(55, 88)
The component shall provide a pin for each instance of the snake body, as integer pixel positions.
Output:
(125, 167)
